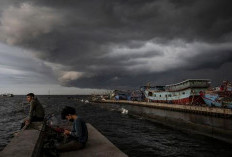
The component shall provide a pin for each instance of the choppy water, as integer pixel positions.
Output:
(135, 136)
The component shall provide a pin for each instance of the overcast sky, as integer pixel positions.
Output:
(81, 46)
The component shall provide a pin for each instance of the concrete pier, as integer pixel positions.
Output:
(194, 119)
(212, 111)
(97, 146)
(29, 141)
(26, 144)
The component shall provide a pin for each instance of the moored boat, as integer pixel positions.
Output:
(219, 96)
(186, 92)
(7, 95)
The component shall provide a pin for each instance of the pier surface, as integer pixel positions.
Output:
(185, 108)
(29, 141)
(97, 146)
(26, 144)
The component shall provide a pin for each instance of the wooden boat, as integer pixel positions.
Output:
(186, 92)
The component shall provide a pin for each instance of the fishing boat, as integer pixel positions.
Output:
(122, 94)
(7, 95)
(185, 93)
(220, 96)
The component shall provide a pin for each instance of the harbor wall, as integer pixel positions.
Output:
(28, 143)
(97, 146)
(212, 124)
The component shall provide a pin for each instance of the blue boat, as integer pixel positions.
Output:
(122, 94)
(219, 96)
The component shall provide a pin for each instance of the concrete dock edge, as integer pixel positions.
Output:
(150, 111)
(97, 146)
(211, 111)
(28, 143)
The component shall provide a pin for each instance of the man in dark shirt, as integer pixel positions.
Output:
(78, 136)
(36, 113)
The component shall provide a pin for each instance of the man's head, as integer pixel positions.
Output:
(68, 113)
(30, 97)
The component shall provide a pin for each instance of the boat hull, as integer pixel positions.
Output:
(185, 101)
(211, 100)
(184, 97)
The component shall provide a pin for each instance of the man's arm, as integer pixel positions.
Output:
(32, 106)
(78, 127)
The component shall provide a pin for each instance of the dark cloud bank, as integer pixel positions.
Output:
(124, 43)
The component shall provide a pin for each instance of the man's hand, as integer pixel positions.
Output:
(27, 122)
(67, 132)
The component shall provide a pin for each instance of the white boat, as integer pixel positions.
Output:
(186, 92)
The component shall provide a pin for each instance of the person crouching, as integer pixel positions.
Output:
(78, 136)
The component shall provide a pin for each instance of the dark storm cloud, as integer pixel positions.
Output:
(213, 60)
(124, 43)
(18, 67)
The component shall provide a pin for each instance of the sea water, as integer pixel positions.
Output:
(135, 136)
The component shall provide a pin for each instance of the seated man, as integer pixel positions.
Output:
(36, 113)
(78, 136)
